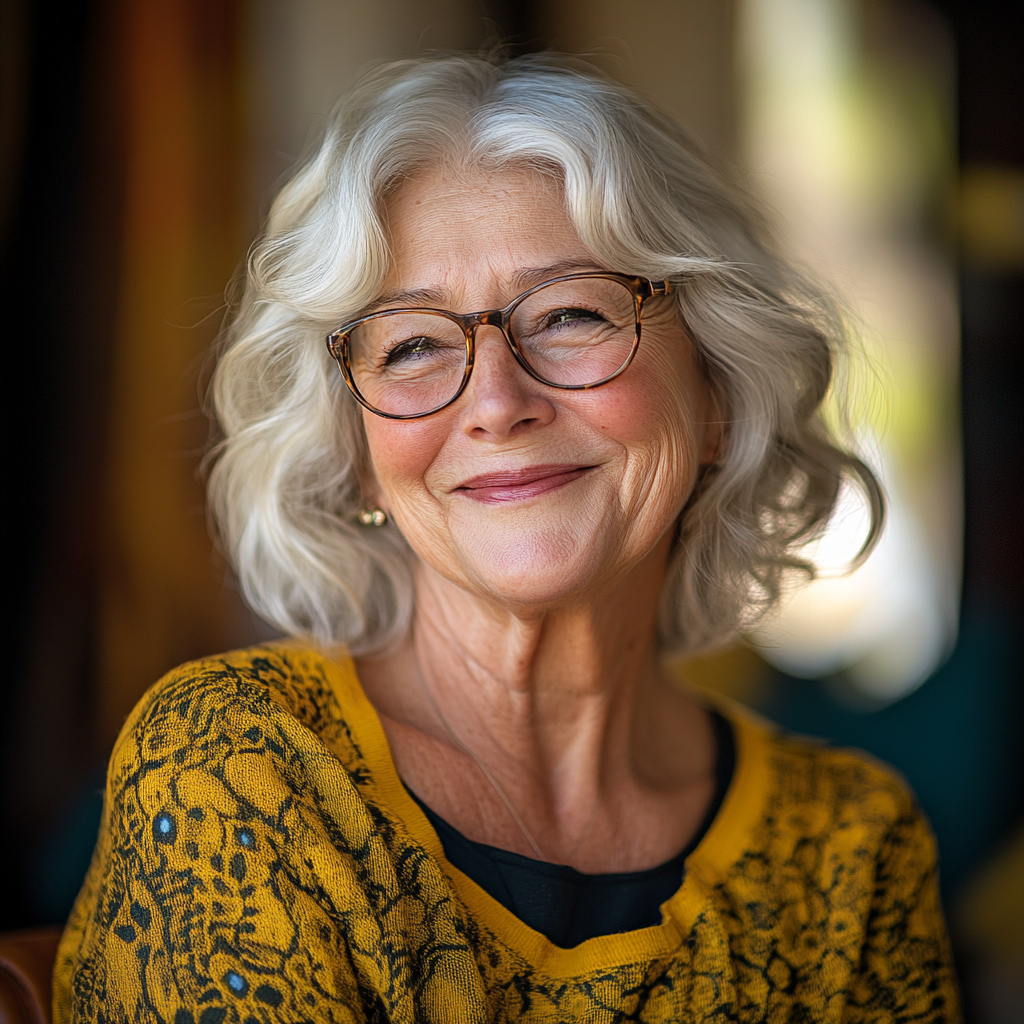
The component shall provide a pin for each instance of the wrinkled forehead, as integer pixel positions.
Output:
(474, 234)
(471, 170)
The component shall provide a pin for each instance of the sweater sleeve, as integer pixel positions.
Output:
(206, 899)
(906, 970)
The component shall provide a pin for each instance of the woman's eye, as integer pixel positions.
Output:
(567, 317)
(408, 349)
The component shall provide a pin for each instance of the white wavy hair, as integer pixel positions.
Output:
(284, 484)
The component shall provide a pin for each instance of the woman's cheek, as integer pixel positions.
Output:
(401, 451)
(646, 409)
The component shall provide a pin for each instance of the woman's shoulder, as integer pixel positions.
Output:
(238, 794)
(284, 669)
(831, 826)
(264, 694)
(810, 783)
(822, 851)
(811, 767)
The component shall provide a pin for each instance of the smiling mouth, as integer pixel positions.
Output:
(521, 484)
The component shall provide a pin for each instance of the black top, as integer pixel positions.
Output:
(566, 905)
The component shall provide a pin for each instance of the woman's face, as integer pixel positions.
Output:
(520, 492)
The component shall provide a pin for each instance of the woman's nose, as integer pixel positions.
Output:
(501, 399)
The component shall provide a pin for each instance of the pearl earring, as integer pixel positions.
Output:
(371, 515)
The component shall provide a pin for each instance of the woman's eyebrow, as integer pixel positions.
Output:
(538, 275)
(413, 297)
(521, 280)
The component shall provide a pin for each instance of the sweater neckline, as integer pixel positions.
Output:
(721, 846)
(725, 763)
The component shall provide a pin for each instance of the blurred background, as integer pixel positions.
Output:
(142, 141)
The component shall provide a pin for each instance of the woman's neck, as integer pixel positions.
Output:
(546, 731)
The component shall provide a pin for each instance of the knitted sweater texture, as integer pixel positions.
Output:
(259, 860)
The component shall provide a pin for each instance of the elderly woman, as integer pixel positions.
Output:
(567, 419)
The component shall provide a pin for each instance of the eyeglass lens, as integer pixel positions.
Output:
(570, 333)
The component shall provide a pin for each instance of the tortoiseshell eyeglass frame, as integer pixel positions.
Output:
(641, 289)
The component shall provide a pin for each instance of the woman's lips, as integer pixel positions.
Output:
(520, 484)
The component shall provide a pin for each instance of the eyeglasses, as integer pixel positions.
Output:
(574, 332)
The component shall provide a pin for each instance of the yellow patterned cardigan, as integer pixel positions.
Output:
(259, 860)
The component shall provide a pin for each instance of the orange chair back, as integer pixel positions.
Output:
(26, 969)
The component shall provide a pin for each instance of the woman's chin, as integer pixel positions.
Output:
(523, 569)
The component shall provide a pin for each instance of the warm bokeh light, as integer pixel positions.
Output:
(848, 132)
